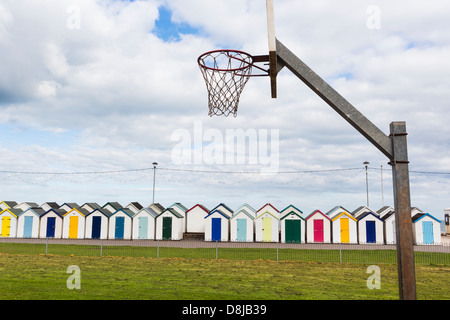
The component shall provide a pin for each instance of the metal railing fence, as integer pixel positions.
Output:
(198, 249)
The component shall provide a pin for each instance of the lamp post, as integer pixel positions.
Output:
(154, 174)
(366, 163)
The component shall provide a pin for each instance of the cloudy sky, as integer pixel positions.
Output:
(93, 92)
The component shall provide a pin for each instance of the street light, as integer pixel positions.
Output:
(366, 163)
(154, 174)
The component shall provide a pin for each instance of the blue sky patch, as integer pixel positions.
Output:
(169, 31)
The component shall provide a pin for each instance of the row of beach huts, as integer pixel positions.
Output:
(176, 222)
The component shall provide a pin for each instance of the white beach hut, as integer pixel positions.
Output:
(292, 226)
(344, 227)
(195, 222)
(28, 223)
(97, 223)
(8, 222)
(267, 224)
(169, 225)
(144, 224)
(217, 226)
(426, 229)
(120, 224)
(318, 227)
(74, 223)
(51, 224)
(242, 225)
(370, 229)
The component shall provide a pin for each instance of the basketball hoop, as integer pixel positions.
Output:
(226, 73)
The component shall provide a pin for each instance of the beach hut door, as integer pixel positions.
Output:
(345, 231)
(6, 226)
(241, 229)
(73, 227)
(167, 228)
(27, 227)
(267, 229)
(318, 230)
(51, 222)
(120, 227)
(216, 229)
(143, 227)
(370, 231)
(427, 228)
(292, 228)
(96, 227)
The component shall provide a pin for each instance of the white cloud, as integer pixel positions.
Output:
(120, 92)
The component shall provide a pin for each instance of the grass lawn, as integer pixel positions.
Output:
(30, 277)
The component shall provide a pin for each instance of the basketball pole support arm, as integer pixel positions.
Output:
(393, 146)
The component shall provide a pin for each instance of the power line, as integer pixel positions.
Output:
(198, 171)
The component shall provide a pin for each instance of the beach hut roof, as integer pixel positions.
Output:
(243, 211)
(172, 211)
(59, 212)
(115, 205)
(246, 205)
(218, 211)
(267, 211)
(368, 213)
(10, 204)
(37, 211)
(128, 212)
(150, 211)
(105, 212)
(200, 206)
(14, 212)
(343, 213)
(157, 206)
(420, 216)
(93, 205)
(291, 212)
(268, 204)
(290, 206)
(179, 205)
(387, 215)
(80, 210)
(222, 205)
(317, 211)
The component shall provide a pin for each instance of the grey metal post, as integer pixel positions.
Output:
(402, 203)
(46, 246)
(393, 147)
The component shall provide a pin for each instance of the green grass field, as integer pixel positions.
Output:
(44, 277)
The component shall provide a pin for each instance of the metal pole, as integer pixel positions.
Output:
(366, 163)
(382, 189)
(154, 176)
(402, 203)
(394, 147)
